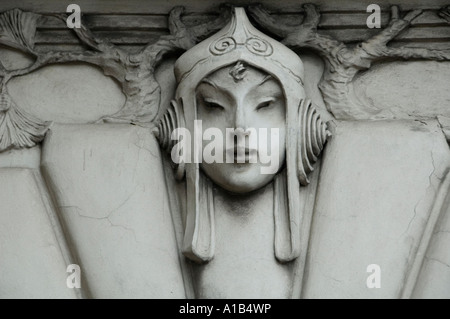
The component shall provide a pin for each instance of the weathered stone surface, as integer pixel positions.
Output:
(112, 203)
(31, 263)
(22, 158)
(67, 93)
(405, 90)
(13, 59)
(239, 264)
(109, 187)
(434, 278)
(376, 190)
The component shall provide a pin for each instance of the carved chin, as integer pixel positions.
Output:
(237, 178)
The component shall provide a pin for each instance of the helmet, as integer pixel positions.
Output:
(240, 41)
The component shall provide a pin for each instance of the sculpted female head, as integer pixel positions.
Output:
(238, 83)
(247, 106)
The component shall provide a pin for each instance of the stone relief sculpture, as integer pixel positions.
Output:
(257, 74)
(221, 230)
(343, 63)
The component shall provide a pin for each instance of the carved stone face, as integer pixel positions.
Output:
(243, 97)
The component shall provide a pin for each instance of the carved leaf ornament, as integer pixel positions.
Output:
(18, 28)
(18, 129)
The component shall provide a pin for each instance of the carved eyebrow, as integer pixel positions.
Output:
(217, 87)
(265, 79)
(208, 81)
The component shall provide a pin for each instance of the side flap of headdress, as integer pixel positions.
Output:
(305, 139)
(199, 237)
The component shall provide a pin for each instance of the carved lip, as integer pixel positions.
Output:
(242, 154)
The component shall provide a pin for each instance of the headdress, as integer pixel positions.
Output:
(306, 133)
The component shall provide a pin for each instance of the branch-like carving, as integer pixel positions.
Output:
(342, 62)
(186, 37)
(134, 71)
(18, 129)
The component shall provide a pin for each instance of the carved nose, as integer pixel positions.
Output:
(241, 120)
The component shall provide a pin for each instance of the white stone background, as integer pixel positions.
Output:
(378, 183)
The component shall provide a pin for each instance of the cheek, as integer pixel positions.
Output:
(282, 146)
(220, 119)
(275, 117)
(271, 122)
(278, 117)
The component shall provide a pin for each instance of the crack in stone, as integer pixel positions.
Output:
(136, 164)
(426, 190)
(434, 169)
(420, 121)
(149, 151)
(414, 216)
(324, 274)
(107, 217)
(142, 147)
(438, 261)
(441, 231)
(123, 203)
(329, 277)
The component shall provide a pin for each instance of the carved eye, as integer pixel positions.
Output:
(264, 105)
(213, 105)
